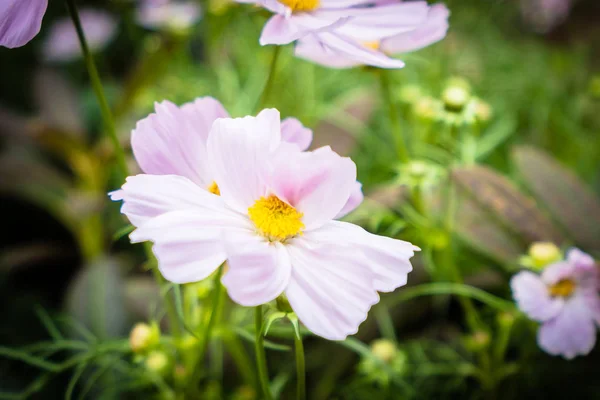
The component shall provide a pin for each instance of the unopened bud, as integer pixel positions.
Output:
(384, 349)
(455, 98)
(144, 337)
(158, 361)
(478, 341)
(542, 254)
(483, 111)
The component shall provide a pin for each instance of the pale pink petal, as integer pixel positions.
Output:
(431, 31)
(323, 45)
(188, 244)
(312, 49)
(258, 270)
(292, 131)
(556, 272)
(318, 183)
(284, 29)
(239, 152)
(569, 334)
(580, 259)
(164, 14)
(533, 298)
(330, 292)
(20, 21)
(356, 197)
(173, 140)
(389, 259)
(342, 4)
(148, 196)
(368, 24)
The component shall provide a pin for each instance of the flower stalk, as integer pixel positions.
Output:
(261, 358)
(109, 122)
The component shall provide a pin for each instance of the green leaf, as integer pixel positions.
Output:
(272, 318)
(569, 199)
(294, 320)
(497, 195)
(126, 230)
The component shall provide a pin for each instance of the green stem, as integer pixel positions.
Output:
(109, 123)
(169, 304)
(216, 300)
(261, 358)
(300, 368)
(270, 80)
(445, 288)
(394, 119)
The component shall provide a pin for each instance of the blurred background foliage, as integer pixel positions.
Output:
(530, 174)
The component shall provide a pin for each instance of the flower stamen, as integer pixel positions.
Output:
(563, 288)
(214, 188)
(301, 5)
(275, 219)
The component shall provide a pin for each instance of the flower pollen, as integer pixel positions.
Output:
(301, 5)
(374, 45)
(275, 219)
(214, 188)
(563, 288)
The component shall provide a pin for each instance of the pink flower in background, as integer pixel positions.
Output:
(349, 46)
(295, 19)
(273, 220)
(544, 15)
(565, 299)
(20, 21)
(165, 14)
(62, 43)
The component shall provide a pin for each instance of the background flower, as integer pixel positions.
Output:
(62, 43)
(565, 299)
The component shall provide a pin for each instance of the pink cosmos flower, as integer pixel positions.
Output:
(20, 21)
(62, 43)
(565, 299)
(165, 14)
(347, 46)
(295, 19)
(272, 220)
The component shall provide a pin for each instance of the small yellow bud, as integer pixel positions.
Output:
(384, 349)
(157, 361)
(542, 254)
(478, 341)
(144, 337)
(455, 98)
(483, 111)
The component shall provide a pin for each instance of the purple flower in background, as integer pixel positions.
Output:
(565, 299)
(20, 21)
(361, 41)
(62, 43)
(544, 15)
(164, 14)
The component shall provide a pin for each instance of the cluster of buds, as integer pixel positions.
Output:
(457, 106)
(144, 341)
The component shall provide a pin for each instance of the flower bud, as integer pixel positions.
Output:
(542, 254)
(283, 304)
(144, 337)
(478, 341)
(158, 361)
(384, 349)
(483, 111)
(427, 108)
(455, 98)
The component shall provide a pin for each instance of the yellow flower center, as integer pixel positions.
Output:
(563, 288)
(374, 45)
(301, 5)
(214, 188)
(275, 219)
